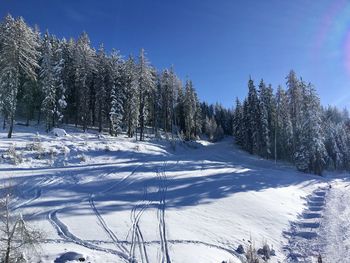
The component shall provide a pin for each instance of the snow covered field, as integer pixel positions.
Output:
(113, 199)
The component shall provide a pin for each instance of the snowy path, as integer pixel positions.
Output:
(335, 226)
(323, 229)
(304, 234)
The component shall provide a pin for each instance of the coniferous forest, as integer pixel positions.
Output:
(58, 81)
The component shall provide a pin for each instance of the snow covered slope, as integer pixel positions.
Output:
(114, 199)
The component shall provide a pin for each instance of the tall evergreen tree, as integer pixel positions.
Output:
(84, 59)
(145, 82)
(18, 57)
(47, 82)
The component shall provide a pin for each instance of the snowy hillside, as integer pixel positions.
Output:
(111, 199)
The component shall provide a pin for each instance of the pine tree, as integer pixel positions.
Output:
(116, 111)
(100, 86)
(167, 92)
(283, 127)
(311, 153)
(189, 109)
(58, 78)
(84, 60)
(47, 82)
(238, 123)
(294, 92)
(253, 112)
(131, 97)
(68, 79)
(264, 130)
(145, 83)
(18, 57)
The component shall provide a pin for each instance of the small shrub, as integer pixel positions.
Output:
(13, 155)
(251, 254)
(82, 157)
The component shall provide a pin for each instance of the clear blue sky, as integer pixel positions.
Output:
(218, 44)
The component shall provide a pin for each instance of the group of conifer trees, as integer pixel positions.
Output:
(292, 125)
(57, 81)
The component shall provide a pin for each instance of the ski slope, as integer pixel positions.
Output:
(120, 200)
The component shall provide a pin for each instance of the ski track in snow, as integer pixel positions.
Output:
(136, 234)
(165, 257)
(103, 223)
(64, 233)
(105, 227)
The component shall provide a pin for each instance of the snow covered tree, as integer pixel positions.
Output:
(84, 60)
(68, 79)
(116, 111)
(167, 92)
(189, 109)
(294, 93)
(115, 92)
(283, 136)
(144, 82)
(210, 127)
(253, 121)
(100, 88)
(18, 57)
(238, 123)
(265, 120)
(310, 155)
(131, 102)
(47, 82)
(58, 78)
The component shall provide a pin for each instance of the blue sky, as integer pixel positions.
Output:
(217, 44)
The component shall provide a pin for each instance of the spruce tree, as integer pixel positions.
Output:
(18, 57)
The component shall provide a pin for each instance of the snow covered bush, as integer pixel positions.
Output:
(12, 155)
(265, 252)
(82, 157)
(251, 254)
(36, 145)
(107, 148)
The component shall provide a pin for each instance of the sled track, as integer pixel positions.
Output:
(136, 234)
(103, 223)
(165, 257)
(64, 233)
(105, 227)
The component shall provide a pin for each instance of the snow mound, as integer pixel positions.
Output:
(59, 132)
(70, 257)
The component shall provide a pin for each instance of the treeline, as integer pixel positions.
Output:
(291, 125)
(68, 81)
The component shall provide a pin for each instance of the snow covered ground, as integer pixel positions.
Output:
(113, 199)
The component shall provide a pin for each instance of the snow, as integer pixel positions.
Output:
(111, 199)
(59, 132)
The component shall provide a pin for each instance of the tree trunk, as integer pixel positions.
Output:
(99, 120)
(9, 135)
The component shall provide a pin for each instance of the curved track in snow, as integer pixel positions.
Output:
(64, 233)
